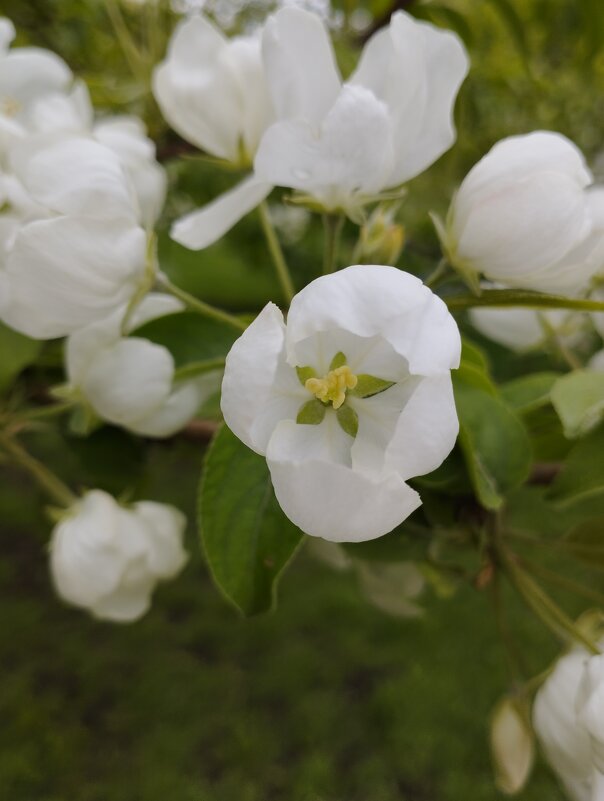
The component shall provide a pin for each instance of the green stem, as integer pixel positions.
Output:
(438, 274)
(53, 485)
(510, 648)
(46, 412)
(504, 298)
(541, 604)
(558, 343)
(332, 224)
(563, 582)
(194, 369)
(199, 306)
(281, 268)
(124, 37)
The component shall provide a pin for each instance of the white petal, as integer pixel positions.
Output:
(129, 381)
(155, 305)
(300, 66)
(197, 91)
(65, 273)
(7, 33)
(259, 389)
(352, 153)
(84, 563)
(369, 300)
(71, 113)
(329, 500)
(166, 526)
(31, 72)
(181, 406)
(202, 228)
(517, 329)
(74, 175)
(417, 70)
(129, 602)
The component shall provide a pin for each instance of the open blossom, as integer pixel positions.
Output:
(343, 144)
(73, 246)
(568, 718)
(130, 381)
(348, 400)
(526, 216)
(107, 558)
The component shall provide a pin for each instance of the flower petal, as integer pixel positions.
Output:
(259, 388)
(371, 300)
(330, 500)
(68, 271)
(166, 526)
(352, 154)
(300, 65)
(203, 227)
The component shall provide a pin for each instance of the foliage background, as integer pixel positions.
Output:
(327, 699)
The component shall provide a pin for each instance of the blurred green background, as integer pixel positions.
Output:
(326, 699)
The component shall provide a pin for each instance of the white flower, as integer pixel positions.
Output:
(78, 251)
(130, 381)
(567, 717)
(524, 216)
(108, 558)
(527, 329)
(342, 144)
(26, 74)
(349, 400)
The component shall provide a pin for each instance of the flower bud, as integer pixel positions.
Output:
(524, 216)
(108, 558)
(381, 239)
(511, 745)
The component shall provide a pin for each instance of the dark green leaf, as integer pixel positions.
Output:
(247, 538)
(582, 476)
(530, 392)
(586, 542)
(189, 337)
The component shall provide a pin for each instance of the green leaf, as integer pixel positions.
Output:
(472, 354)
(189, 337)
(530, 392)
(311, 413)
(247, 538)
(304, 373)
(579, 400)
(16, 353)
(515, 297)
(348, 420)
(494, 442)
(368, 385)
(586, 542)
(474, 376)
(339, 360)
(582, 476)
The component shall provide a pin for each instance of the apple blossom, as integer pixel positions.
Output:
(348, 400)
(522, 329)
(563, 717)
(525, 216)
(343, 144)
(107, 558)
(130, 381)
(78, 251)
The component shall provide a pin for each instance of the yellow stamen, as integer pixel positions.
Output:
(9, 106)
(333, 387)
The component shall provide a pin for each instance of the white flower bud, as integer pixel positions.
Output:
(511, 746)
(108, 558)
(524, 216)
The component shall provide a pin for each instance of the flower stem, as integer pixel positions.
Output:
(45, 412)
(281, 268)
(199, 306)
(195, 369)
(124, 37)
(438, 274)
(53, 485)
(333, 227)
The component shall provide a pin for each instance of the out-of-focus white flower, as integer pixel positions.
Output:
(563, 720)
(130, 381)
(341, 144)
(78, 251)
(290, 221)
(107, 558)
(527, 329)
(26, 74)
(213, 92)
(349, 400)
(392, 587)
(525, 217)
(512, 745)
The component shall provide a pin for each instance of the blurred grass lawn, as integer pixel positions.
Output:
(327, 699)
